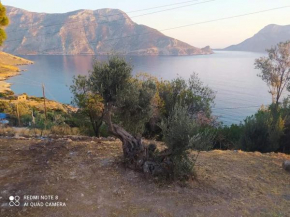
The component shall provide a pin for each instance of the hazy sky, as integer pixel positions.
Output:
(217, 35)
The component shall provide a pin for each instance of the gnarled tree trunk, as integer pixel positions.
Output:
(136, 155)
(133, 149)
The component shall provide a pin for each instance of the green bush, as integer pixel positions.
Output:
(181, 133)
(135, 106)
(228, 137)
(104, 132)
(262, 131)
(4, 107)
(285, 139)
(26, 120)
(9, 93)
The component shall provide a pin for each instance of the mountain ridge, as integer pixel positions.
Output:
(90, 32)
(266, 38)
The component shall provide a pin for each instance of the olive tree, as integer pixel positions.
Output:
(125, 98)
(134, 106)
(192, 94)
(129, 102)
(90, 103)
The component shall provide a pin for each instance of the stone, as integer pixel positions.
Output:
(286, 165)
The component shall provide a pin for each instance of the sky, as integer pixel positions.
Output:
(217, 34)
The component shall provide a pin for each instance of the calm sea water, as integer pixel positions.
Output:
(239, 92)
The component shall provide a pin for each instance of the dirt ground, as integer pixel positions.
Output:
(89, 178)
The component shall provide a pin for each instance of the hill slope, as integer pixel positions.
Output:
(8, 59)
(8, 68)
(87, 32)
(90, 178)
(264, 39)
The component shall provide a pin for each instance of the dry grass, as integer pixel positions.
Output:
(26, 132)
(50, 104)
(7, 69)
(90, 178)
(7, 131)
(8, 59)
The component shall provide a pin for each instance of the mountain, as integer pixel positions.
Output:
(264, 39)
(87, 32)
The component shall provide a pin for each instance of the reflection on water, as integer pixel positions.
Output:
(230, 74)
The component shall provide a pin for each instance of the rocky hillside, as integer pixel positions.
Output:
(264, 39)
(88, 32)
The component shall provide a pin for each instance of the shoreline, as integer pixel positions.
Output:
(5, 86)
(9, 67)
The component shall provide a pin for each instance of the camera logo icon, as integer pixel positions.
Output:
(14, 201)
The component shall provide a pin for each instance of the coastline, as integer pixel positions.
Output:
(9, 68)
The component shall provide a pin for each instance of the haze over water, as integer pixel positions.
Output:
(239, 92)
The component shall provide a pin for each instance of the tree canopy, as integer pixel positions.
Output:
(275, 69)
(4, 21)
(89, 103)
(128, 102)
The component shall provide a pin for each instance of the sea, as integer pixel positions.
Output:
(231, 74)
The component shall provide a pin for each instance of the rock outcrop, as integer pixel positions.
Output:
(286, 165)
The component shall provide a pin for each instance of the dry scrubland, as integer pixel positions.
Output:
(8, 68)
(90, 178)
(38, 104)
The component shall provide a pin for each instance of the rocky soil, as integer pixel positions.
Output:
(89, 177)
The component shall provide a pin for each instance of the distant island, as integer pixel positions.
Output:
(269, 36)
(88, 32)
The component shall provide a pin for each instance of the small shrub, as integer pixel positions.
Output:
(26, 120)
(25, 133)
(4, 107)
(7, 131)
(104, 132)
(183, 166)
(37, 99)
(64, 130)
(182, 133)
(35, 132)
(228, 137)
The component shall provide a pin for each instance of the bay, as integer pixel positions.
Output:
(239, 92)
